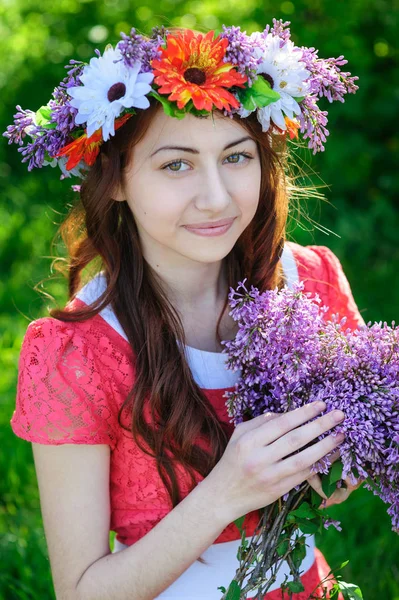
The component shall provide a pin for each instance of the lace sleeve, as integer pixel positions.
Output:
(339, 295)
(61, 394)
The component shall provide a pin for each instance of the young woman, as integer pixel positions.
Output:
(121, 391)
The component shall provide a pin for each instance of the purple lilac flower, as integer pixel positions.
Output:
(62, 112)
(240, 52)
(134, 47)
(46, 142)
(313, 123)
(328, 522)
(289, 355)
(327, 79)
(23, 121)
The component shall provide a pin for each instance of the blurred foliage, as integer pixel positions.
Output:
(361, 216)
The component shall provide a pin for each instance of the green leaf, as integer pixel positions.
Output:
(343, 564)
(239, 522)
(196, 111)
(42, 117)
(298, 554)
(308, 526)
(257, 96)
(304, 510)
(327, 487)
(334, 592)
(336, 471)
(222, 589)
(315, 498)
(234, 591)
(282, 548)
(295, 586)
(170, 108)
(350, 591)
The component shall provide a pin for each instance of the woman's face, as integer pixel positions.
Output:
(214, 174)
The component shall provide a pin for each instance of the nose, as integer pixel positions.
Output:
(213, 193)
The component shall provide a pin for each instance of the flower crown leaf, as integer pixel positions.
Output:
(260, 94)
(169, 107)
(43, 117)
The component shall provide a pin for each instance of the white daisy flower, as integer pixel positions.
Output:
(108, 88)
(283, 69)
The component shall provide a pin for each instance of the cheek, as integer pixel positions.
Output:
(248, 197)
(158, 215)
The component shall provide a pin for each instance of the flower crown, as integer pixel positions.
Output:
(187, 72)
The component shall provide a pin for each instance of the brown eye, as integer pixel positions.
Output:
(169, 166)
(177, 162)
(238, 154)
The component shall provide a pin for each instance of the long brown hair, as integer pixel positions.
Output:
(102, 232)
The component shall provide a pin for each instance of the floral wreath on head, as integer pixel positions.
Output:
(187, 72)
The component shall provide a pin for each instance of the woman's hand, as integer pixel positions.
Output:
(340, 494)
(261, 462)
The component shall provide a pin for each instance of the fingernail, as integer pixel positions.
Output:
(338, 415)
(319, 404)
(340, 437)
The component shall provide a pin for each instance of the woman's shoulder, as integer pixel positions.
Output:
(100, 334)
(321, 271)
(311, 257)
(316, 264)
(90, 343)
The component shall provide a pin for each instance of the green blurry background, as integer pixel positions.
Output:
(360, 221)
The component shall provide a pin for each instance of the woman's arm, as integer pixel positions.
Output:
(152, 564)
(257, 467)
(74, 496)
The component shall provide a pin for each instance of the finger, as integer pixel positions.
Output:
(288, 483)
(332, 457)
(306, 458)
(340, 495)
(315, 483)
(264, 436)
(300, 437)
(354, 486)
(254, 423)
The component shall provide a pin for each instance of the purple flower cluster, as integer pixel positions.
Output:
(240, 52)
(280, 28)
(313, 123)
(289, 355)
(326, 80)
(23, 120)
(134, 47)
(47, 141)
(62, 113)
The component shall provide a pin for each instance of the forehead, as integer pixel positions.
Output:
(202, 133)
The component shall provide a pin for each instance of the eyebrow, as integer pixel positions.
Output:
(194, 151)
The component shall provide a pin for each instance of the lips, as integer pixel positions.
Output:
(211, 224)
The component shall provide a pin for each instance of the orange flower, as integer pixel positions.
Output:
(292, 128)
(191, 67)
(86, 148)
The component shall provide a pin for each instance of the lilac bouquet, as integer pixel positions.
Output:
(289, 355)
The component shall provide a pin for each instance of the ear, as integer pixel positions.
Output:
(117, 195)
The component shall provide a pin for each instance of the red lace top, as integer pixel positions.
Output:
(73, 378)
